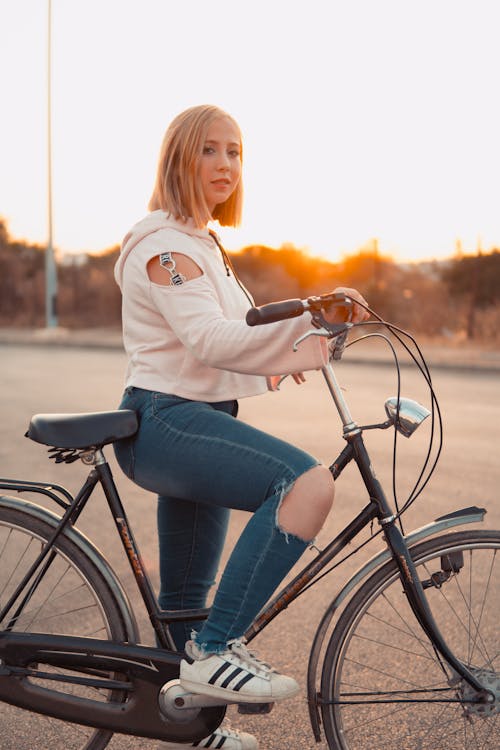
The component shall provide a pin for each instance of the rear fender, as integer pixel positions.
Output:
(89, 550)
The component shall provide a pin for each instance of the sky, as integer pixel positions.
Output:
(361, 119)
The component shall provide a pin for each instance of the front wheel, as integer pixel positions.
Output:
(384, 686)
(71, 598)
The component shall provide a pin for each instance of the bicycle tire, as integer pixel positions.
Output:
(72, 599)
(378, 658)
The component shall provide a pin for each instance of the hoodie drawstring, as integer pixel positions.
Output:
(228, 265)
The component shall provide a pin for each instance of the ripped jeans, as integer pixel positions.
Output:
(201, 462)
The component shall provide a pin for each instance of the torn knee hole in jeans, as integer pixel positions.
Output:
(282, 489)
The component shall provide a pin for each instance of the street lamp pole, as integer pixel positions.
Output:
(50, 263)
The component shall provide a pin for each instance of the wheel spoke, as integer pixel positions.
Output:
(69, 597)
(404, 697)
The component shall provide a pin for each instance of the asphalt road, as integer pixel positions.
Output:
(57, 379)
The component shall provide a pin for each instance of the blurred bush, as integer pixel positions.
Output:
(455, 299)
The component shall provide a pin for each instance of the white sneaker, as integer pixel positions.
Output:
(235, 675)
(221, 738)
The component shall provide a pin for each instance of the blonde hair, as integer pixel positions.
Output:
(177, 189)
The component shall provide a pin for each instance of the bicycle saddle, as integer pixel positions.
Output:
(77, 431)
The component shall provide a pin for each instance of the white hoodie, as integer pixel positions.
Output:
(191, 339)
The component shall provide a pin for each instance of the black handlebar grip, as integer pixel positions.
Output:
(289, 308)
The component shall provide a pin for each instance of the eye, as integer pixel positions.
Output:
(234, 153)
(208, 150)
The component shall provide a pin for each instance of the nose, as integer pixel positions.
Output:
(223, 163)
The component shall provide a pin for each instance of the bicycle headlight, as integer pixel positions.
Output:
(411, 414)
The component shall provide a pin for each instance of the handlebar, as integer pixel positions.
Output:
(274, 311)
(337, 333)
(292, 308)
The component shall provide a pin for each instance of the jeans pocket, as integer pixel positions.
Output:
(161, 401)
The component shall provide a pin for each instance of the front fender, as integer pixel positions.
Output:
(457, 518)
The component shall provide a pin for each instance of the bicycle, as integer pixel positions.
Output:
(69, 641)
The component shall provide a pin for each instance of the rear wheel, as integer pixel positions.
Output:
(384, 686)
(72, 598)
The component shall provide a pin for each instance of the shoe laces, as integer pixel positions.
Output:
(227, 732)
(239, 649)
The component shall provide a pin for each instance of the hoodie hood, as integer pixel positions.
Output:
(153, 222)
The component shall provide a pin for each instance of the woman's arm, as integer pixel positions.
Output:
(193, 310)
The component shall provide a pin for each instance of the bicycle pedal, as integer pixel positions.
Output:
(255, 708)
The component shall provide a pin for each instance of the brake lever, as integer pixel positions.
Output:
(315, 332)
(337, 343)
(337, 346)
(338, 334)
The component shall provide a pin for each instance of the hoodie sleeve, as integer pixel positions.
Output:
(195, 315)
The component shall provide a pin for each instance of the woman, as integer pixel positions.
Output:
(190, 357)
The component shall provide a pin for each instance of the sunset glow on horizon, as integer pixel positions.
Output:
(361, 121)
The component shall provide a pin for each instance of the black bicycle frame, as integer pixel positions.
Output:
(100, 474)
(378, 508)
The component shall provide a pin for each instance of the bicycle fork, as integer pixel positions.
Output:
(412, 585)
(415, 594)
(408, 574)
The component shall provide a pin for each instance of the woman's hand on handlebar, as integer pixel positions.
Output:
(358, 313)
(274, 381)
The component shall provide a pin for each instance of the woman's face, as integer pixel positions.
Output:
(220, 163)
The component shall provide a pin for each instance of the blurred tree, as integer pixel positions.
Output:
(21, 281)
(433, 299)
(474, 280)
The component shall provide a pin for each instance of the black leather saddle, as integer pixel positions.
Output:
(79, 431)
